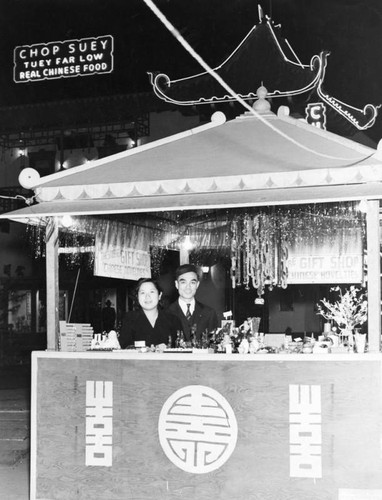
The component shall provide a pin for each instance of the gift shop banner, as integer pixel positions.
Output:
(333, 258)
(113, 259)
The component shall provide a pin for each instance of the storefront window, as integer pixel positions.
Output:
(20, 311)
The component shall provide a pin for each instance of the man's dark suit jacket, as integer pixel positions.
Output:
(204, 317)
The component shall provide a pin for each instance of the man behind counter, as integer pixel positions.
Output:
(193, 314)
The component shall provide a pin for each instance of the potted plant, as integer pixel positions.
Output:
(348, 311)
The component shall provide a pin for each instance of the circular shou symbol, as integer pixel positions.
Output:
(197, 429)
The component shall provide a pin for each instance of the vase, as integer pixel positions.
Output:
(346, 336)
(360, 342)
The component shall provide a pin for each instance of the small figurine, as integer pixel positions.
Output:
(254, 345)
(244, 346)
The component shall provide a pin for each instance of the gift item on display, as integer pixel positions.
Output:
(105, 341)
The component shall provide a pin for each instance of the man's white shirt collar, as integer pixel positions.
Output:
(183, 305)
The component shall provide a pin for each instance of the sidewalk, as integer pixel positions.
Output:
(14, 481)
(14, 432)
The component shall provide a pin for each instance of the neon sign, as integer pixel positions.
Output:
(316, 115)
(45, 61)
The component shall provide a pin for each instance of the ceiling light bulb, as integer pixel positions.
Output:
(187, 243)
(67, 220)
(362, 207)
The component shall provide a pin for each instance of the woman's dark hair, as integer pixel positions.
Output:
(140, 283)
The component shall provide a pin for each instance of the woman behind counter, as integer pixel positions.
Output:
(150, 323)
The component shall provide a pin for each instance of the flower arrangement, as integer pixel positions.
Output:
(348, 311)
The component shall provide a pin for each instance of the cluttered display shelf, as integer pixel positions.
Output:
(233, 342)
(228, 339)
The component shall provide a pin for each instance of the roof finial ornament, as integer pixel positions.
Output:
(262, 105)
(260, 13)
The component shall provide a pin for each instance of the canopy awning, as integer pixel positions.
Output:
(250, 161)
(253, 198)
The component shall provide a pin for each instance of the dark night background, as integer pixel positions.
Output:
(350, 29)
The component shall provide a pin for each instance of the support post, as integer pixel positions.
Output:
(52, 286)
(373, 275)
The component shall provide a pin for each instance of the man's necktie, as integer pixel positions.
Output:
(188, 313)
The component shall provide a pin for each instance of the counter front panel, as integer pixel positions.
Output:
(182, 427)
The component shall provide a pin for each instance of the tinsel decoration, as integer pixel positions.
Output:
(259, 252)
(254, 240)
(157, 255)
(260, 241)
(35, 236)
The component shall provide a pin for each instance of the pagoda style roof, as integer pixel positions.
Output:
(263, 57)
(254, 160)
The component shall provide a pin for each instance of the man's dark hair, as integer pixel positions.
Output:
(186, 268)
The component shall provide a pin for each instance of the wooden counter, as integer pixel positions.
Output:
(123, 425)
